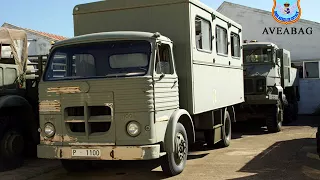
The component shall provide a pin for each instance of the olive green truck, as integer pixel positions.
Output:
(138, 81)
(271, 85)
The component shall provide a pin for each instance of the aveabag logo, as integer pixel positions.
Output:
(286, 11)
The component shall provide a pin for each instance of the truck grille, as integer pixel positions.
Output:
(254, 86)
(248, 86)
(88, 119)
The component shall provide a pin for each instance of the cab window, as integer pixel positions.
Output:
(164, 60)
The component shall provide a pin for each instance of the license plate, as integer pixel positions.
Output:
(86, 153)
(273, 97)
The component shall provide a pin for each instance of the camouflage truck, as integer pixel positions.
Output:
(18, 100)
(140, 80)
(271, 85)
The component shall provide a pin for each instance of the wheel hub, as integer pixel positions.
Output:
(181, 147)
(14, 143)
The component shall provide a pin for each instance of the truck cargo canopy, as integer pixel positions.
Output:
(17, 39)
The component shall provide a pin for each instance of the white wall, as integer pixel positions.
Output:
(37, 45)
(309, 95)
(253, 21)
(302, 47)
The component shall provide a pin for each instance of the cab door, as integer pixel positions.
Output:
(166, 91)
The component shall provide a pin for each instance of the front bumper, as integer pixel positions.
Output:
(318, 141)
(261, 99)
(147, 152)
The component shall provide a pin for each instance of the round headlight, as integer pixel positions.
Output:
(269, 91)
(49, 130)
(133, 128)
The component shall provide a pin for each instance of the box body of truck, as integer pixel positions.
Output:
(205, 81)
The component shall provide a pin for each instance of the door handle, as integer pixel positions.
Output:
(174, 84)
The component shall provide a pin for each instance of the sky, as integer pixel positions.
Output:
(55, 16)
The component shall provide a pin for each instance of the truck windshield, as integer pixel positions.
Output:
(257, 55)
(99, 60)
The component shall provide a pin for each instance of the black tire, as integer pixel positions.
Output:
(75, 165)
(318, 140)
(12, 144)
(171, 164)
(291, 112)
(274, 118)
(288, 114)
(226, 132)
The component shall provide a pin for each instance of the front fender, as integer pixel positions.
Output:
(13, 101)
(171, 127)
(18, 101)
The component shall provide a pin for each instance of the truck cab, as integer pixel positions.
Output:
(122, 70)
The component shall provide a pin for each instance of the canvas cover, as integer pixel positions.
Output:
(17, 39)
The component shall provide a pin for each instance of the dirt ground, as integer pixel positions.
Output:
(253, 154)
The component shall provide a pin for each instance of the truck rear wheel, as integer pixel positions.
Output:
(75, 165)
(274, 118)
(291, 112)
(11, 144)
(225, 134)
(174, 163)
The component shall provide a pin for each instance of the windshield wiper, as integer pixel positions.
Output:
(67, 78)
(254, 51)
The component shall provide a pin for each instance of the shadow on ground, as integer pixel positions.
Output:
(278, 162)
(306, 120)
(256, 127)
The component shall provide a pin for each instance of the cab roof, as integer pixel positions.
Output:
(260, 44)
(115, 35)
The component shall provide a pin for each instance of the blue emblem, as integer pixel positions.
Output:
(286, 11)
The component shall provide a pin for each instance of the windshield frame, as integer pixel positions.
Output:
(94, 42)
(257, 47)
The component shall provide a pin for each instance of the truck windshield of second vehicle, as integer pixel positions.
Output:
(99, 60)
(256, 54)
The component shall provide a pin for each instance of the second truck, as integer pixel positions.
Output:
(271, 85)
(139, 81)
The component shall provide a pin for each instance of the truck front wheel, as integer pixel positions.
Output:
(11, 144)
(173, 163)
(274, 118)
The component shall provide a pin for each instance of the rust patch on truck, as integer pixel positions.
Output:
(50, 106)
(64, 90)
(119, 153)
(57, 138)
(67, 138)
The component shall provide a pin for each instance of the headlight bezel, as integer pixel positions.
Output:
(134, 123)
(53, 130)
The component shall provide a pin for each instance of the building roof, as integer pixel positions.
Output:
(226, 3)
(48, 36)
